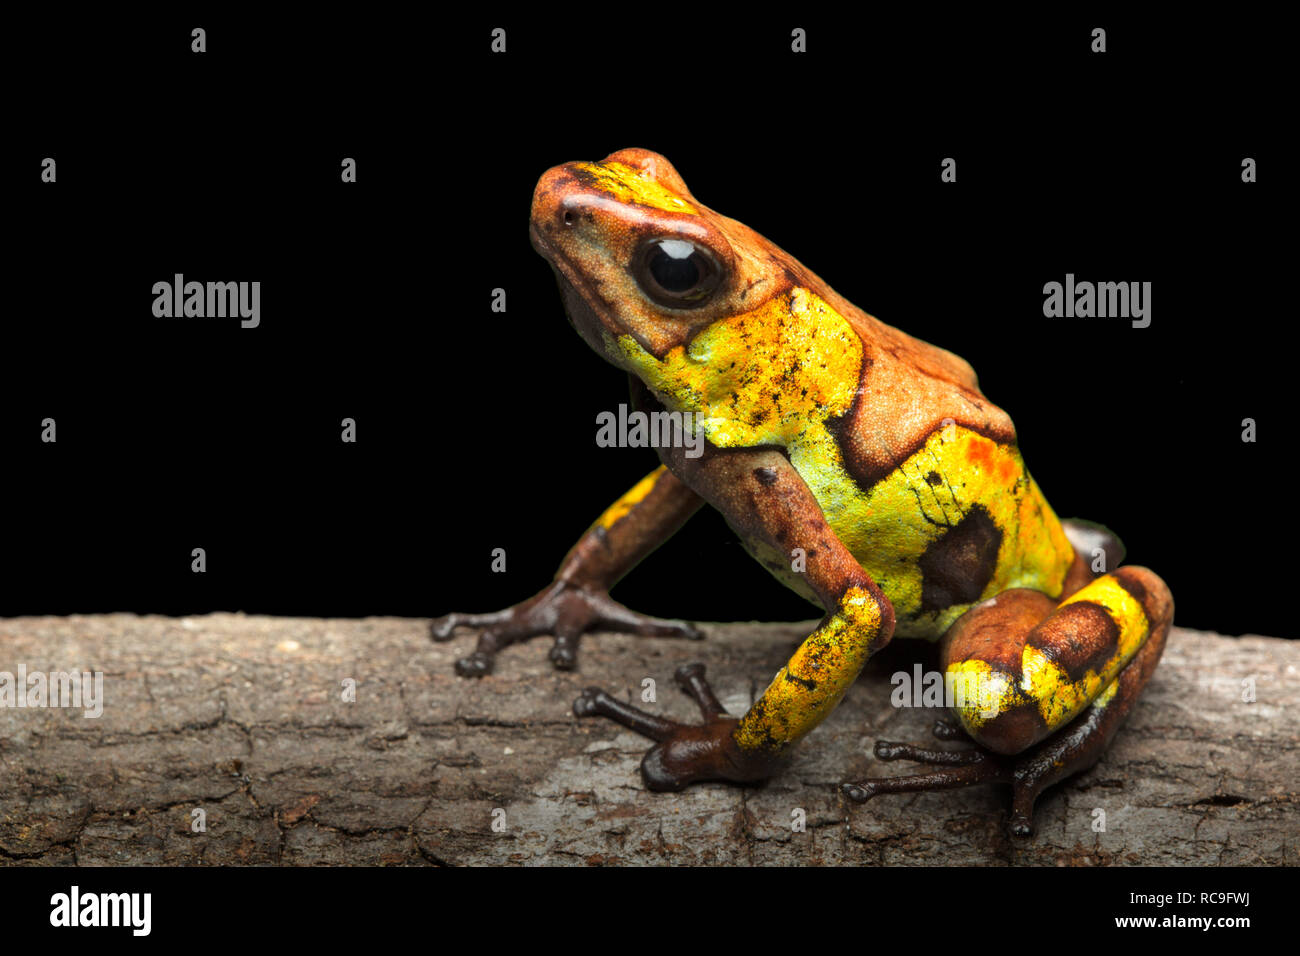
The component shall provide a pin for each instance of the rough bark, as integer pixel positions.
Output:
(243, 717)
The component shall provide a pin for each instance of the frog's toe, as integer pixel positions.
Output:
(1028, 774)
(856, 792)
(690, 678)
(563, 610)
(1021, 825)
(585, 705)
(963, 768)
(477, 664)
(444, 628)
(948, 730)
(564, 655)
(892, 750)
(609, 614)
(683, 629)
(594, 702)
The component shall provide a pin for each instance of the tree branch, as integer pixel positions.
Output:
(244, 718)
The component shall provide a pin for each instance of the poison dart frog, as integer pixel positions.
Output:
(864, 468)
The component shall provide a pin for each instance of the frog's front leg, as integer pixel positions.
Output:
(765, 500)
(578, 599)
(1042, 686)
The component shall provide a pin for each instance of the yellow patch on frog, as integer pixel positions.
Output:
(627, 184)
(1049, 687)
(1107, 695)
(981, 693)
(889, 526)
(619, 509)
(1044, 684)
(778, 374)
(815, 678)
(763, 377)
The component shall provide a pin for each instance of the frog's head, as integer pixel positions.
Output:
(637, 255)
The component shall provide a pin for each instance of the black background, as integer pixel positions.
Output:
(476, 429)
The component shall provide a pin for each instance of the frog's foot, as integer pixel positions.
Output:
(684, 753)
(962, 768)
(564, 610)
(1074, 749)
(1130, 603)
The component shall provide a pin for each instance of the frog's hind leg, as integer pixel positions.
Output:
(1044, 699)
(578, 599)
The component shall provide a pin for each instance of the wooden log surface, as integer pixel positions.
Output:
(244, 718)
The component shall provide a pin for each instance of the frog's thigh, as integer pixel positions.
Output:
(1022, 667)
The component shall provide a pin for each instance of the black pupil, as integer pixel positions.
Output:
(676, 265)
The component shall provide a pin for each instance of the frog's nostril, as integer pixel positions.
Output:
(570, 217)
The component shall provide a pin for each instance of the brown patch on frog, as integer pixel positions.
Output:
(995, 632)
(1013, 730)
(765, 476)
(905, 394)
(1078, 637)
(957, 566)
(801, 681)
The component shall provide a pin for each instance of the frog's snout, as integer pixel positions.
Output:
(557, 208)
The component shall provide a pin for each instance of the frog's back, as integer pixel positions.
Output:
(924, 483)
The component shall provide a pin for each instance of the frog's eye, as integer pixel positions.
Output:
(677, 273)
